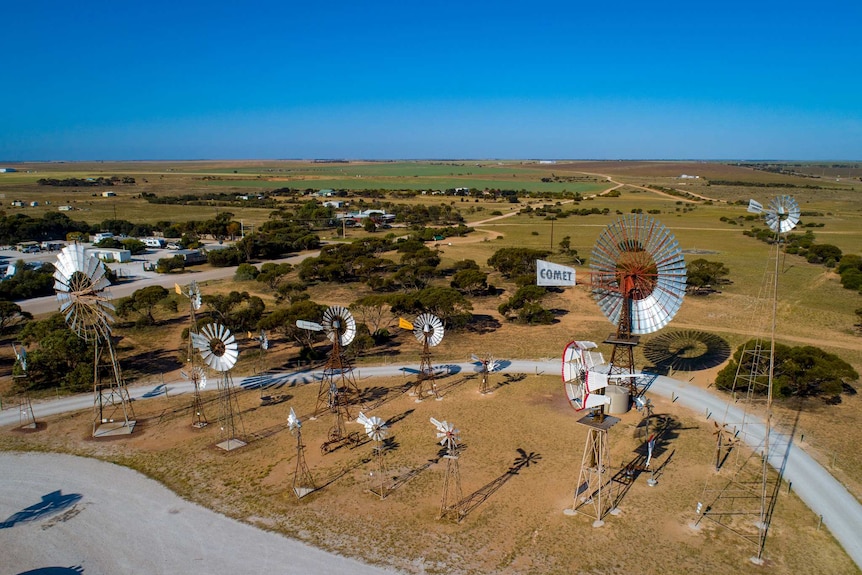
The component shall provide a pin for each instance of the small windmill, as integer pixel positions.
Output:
(450, 438)
(303, 482)
(219, 350)
(486, 366)
(263, 344)
(81, 285)
(26, 419)
(377, 431)
(428, 330)
(195, 373)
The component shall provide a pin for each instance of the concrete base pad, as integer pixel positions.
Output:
(114, 428)
(230, 444)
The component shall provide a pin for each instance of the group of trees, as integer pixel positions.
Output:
(86, 182)
(804, 371)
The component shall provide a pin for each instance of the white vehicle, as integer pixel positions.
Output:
(153, 242)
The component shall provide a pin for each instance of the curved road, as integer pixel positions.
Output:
(823, 494)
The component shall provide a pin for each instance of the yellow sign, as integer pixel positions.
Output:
(178, 289)
(404, 324)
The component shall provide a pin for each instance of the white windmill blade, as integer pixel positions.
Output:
(363, 419)
(650, 447)
(755, 207)
(293, 421)
(309, 325)
(437, 424)
(199, 341)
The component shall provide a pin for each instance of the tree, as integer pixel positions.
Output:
(271, 273)
(701, 273)
(245, 272)
(284, 320)
(59, 358)
(805, 371)
(144, 301)
(826, 254)
(11, 314)
(514, 262)
(525, 306)
(471, 281)
(372, 310)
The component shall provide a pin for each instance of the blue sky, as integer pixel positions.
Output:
(387, 80)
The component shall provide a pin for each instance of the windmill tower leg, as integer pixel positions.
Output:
(229, 413)
(381, 489)
(26, 419)
(451, 489)
(110, 398)
(303, 482)
(199, 418)
(594, 493)
(426, 375)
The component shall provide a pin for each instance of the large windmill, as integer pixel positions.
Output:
(428, 330)
(450, 438)
(638, 279)
(303, 482)
(195, 373)
(752, 482)
(377, 431)
(338, 387)
(219, 350)
(81, 284)
(26, 418)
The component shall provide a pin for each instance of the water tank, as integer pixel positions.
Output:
(620, 399)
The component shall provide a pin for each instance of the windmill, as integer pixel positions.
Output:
(219, 351)
(195, 373)
(263, 344)
(81, 284)
(751, 480)
(486, 366)
(428, 330)
(450, 438)
(338, 386)
(26, 419)
(638, 280)
(377, 431)
(303, 482)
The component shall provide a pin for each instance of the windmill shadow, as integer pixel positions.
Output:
(686, 350)
(474, 500)
(344, 471)
(404, 478)
(664, 429)
(509, 378)
(396, 418)
(51, 504)
(76, 570)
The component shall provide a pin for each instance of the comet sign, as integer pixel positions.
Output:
(549, 274)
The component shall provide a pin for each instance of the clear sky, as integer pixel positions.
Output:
(118, 80)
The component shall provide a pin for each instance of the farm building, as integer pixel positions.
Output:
(111, 254)
(7, 170)
(109, 194)
(65, 208)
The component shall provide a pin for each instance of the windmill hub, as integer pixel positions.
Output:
(217, 347)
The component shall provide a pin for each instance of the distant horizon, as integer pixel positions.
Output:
(107, 81)
(393, 160)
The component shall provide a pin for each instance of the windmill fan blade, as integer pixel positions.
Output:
(363, 419)
(755, 207)
(309, 325)
(436, 423)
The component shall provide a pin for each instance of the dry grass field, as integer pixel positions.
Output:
(519, 527)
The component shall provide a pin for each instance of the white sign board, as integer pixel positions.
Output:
(548, 274)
